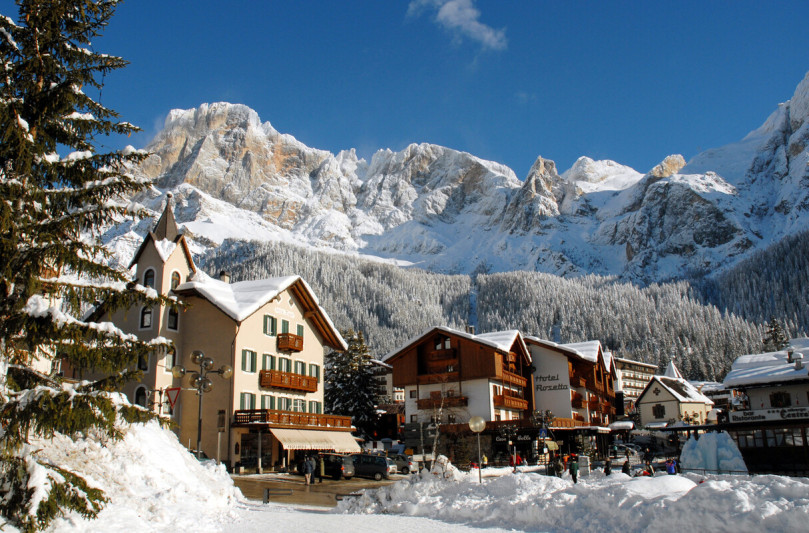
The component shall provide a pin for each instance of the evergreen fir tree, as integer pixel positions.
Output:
(774, 337)
(51, 273)
(350, 385)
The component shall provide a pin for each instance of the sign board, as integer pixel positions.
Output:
(761, 415)
(543, 433)
(172, 393)
(551, 445)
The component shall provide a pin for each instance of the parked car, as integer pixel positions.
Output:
(375, 466)
(404, 464)
(338, 466)
(620, 450)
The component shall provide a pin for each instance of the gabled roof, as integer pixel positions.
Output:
(768, 368)
(501, 341)
(166, 237)
(682, 390)
(586, 351)
(241, 299)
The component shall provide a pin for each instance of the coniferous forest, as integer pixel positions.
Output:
(704, 325)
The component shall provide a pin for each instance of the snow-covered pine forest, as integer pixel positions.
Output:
(391, 304)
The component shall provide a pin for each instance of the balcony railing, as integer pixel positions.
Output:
(514, 379)
(276, 379)
(274, 417)
(510, 402)
(449, 401)
(576, 421)
(577, 381)
(287, 342)
(594, 404)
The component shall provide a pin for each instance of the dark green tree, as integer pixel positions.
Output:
(56, 188)
(350, 385)
(774, 336)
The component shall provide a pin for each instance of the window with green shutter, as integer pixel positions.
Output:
(247, 401)
(284, 326)
(270, 325)
(285, 364)
(300, 330)
(248, 361)
(300, 368)
(314, 371)
(267, 401)
(268, 362)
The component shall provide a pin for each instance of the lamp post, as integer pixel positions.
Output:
(544, 420)
(509, 432)
(201, 382)
(477, 424)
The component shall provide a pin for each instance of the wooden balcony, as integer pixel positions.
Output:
(442, 365)
(449, 401)
(438, 377)
(289, 419)
(287, 342)
(510, 402)
(578, 381)
(575, 422)
(275, 379)
(514, 379)
(439, 355)
(594, 404)
(576, 400)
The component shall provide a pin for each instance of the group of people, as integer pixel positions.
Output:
(312, 468)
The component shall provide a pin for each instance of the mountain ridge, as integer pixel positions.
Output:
(449, 211)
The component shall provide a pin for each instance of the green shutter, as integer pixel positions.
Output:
(269, 362)
(270, 325)
(253, 357)
(285, 326)
(244, 362)
(300, 330)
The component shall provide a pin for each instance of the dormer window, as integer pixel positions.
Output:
(175, 280)
(148, 278)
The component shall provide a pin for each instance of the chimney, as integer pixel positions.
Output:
(224, 275)
(798, 357)
(790, 351)
(470, 330)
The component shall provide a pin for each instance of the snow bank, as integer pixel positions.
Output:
(152, 482)
(714, 451)
(530, 501)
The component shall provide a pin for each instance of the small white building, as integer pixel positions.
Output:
(669, 398)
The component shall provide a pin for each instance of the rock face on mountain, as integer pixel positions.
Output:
(451, 211)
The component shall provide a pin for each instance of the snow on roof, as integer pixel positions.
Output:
(672, 371)
(499, 340)
(165, 248)
(771, 367)
(622, 425)
(587, 350)
(682, 390)
(608, 360)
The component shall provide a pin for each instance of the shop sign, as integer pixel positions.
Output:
(763, 415)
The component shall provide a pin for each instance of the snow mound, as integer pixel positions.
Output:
(152, 482)
(715, 452)
(535, 502)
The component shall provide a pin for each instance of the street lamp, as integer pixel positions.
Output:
(509, 432)
(201, 382)
(477, 424)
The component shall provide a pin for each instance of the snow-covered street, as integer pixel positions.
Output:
(154, 484)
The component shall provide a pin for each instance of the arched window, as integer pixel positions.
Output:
(173, 319)
(143, 363)
(175, 280)
(146, 317)
(140, 396)
(148, 278)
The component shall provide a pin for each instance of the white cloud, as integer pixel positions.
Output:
(461, 18)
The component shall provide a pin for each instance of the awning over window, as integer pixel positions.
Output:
(307, 439)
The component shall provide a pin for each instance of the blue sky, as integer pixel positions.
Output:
(504, 80)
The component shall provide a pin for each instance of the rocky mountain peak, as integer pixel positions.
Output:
(669, 166)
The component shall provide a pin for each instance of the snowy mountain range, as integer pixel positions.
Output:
(235, 177)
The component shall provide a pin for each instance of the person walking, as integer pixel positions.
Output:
(574, 468)
(559, 467)
(307, 471)
(607, 467)
(670, 468)
(315, 469)
(485, 461)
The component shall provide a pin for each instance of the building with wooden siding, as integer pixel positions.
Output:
(456, 375)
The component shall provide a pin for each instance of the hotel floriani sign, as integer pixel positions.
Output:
(762, 415)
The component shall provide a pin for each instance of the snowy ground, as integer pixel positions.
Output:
(155, 485)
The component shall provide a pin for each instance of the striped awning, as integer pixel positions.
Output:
(307, 439)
